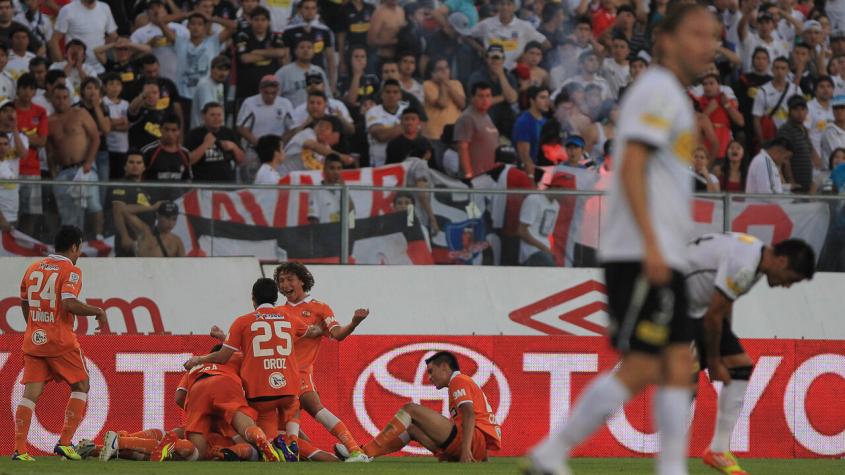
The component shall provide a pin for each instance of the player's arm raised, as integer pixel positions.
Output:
(80, 309)
(720, 307)
(340, 333)
(468, 426)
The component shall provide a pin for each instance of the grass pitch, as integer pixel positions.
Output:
(404, 465)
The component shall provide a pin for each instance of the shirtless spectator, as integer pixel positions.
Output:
(158, 240)
(387, 20)
(72, 146)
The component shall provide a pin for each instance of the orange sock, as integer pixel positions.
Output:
(244, 451)
(391, 438)
(137, 444)
(345, 437)
(254, 434)
(23, 417)
(74, 412)
(154, 434)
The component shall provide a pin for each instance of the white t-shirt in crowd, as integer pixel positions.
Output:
(89, 25)
(263, 119)
(10, 170)
(194, 62)
(832, 138)
(267, 175)
(617, 75)
(74, 81)
(763, 175)
(726, 262)
(767, 98)
(776, 48)
(511, 37)
(280, 13)
(18, 65)
(324, 205)
(378, 116)
(206, 91)
(818, 117)
(595, 81)
(540, 214)
(117, 141)
(655, 111)
(8, 86)
(298, 157)
(334, 107)
(163, 49)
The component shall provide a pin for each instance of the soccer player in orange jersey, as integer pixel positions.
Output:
(295, 281)
(467, 437)
(50, 303)
(269, 369)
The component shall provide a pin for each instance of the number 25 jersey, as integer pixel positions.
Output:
(266, 337)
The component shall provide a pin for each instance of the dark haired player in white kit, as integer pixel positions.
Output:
(643, 249)
(724, 267)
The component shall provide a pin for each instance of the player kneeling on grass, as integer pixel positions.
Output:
(724, 267)
(467, 437)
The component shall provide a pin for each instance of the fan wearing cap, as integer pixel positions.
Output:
(764, 37)
(834, 134)
(804, 157)
(265, 113)
(322, 39)
(260, 52)
(210, 88)
(504, 88)
(74, 65)
(158, 240)
(507, 31)
(292, 75)
(88, 21)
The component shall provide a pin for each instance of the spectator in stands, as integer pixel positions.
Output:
(315, 83)
(38, 25)
(518, 33)
(804, 158)
(158, 240)
(324, 205)
(616, 69)
(475, 134)
(308, 149)
(129, 194)
(125, 53)
(259, 53)
(526, 130)
(359, 82)
(390, 70)
(820, 113)
(537, 218)
(407, 70)
(309, 27)
(764, 36)
(410, 143)
(770, 109)
(576, 157)
(444, 98)
(145, 115)
(117, 140)
(834, 133)
(503, 86)
(734, 169)
(722, 110)
(402, 201)
(214, 149)
(75, 67)
(356, 15)
(388, 19)
(588, 64)
(383, 121)
(168, 92)
(271, 154)
(292, 75)
(210, 88)
(43, 96)
(528, 70)
(32, 122)
(265, 113)
(166, 160)
(88, 21)
(9, 198)
(802, 71)
(764, 171)
(19, 54)
(91, 101)
(703, 179)
(8, 25)
(152, 36)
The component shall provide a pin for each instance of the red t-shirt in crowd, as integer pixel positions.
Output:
(602, 20)
(32, 122)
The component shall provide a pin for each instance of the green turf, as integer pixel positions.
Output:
(408, 465)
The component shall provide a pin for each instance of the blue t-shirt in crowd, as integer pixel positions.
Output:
(466, 7)
(527, 129)
(838, 177)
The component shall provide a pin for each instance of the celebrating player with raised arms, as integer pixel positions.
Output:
(269, 369)
(50, 302)
(644, 235)
(295, 281)
(724, 267)
(466, 437)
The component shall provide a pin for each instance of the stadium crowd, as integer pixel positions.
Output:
(214, 91)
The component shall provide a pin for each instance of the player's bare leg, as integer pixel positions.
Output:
(396, 434)
(245, 426)
(23, 419)
(310, 401)
(719, 455)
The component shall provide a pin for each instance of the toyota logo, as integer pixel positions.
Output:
(416, 391)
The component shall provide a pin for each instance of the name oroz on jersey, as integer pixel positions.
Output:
(275, 363)
(42, 316)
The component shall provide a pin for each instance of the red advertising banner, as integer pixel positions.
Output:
(793, 405)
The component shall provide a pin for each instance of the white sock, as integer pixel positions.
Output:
(603, 396)
(730, 406)
(672, 411)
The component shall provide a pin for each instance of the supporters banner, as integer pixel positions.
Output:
(792, 408)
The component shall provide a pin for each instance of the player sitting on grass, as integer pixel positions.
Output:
(133, 446)
(724, 267)
(467, 437)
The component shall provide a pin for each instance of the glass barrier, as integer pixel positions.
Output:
(437, 222)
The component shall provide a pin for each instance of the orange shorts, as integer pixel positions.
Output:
(452, 451)
(307, 383)
(273, 412)
(69, 367)
(214, 396)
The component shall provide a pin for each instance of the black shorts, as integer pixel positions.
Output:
(643, 318)
(729, 344)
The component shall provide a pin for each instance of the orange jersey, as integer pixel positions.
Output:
(49, 327)
(312, 312)
(266, 338)
(189, 378)
(462, 389)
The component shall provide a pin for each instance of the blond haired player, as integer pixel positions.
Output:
(50, 302)
(294, 281)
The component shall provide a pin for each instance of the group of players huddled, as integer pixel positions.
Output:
(242, 401)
